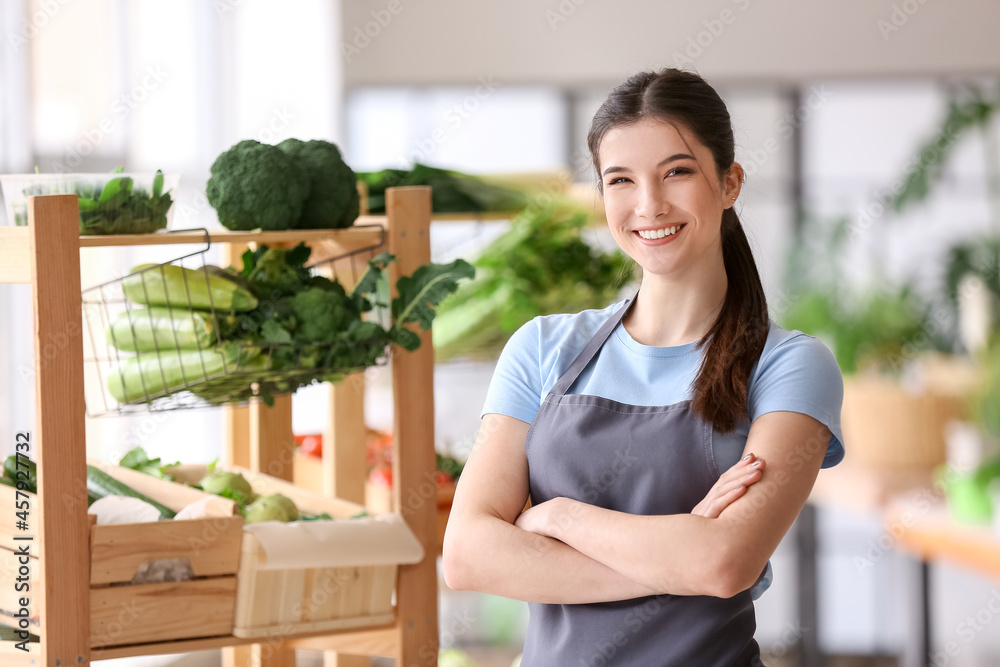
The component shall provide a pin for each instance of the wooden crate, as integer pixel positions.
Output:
(135, 614)
(276, 601)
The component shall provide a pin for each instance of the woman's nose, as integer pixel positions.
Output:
(651, 204)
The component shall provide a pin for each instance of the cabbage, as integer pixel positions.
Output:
(229, 484)
(273, 507)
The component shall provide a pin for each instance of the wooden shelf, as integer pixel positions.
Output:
(46, 255)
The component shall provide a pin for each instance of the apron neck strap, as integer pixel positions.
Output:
(590, 351)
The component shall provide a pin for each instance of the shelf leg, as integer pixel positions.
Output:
(272, 446)
(58, 446)
(344, 447)
(414, 487)
(237, 419)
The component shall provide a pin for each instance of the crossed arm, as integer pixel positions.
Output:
(565, 551)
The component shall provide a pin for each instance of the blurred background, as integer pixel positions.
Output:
(870, 134)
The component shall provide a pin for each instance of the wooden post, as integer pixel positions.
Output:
(237, 419)
(58, 444)
(414, 489)
(345, 442)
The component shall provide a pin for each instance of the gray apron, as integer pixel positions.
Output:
(640, 460)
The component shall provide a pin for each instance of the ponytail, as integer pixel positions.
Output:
(737, 337)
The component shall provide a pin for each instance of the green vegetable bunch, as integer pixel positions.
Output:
(296, 184)
(542, 265)
(451, 191)
(117, 207)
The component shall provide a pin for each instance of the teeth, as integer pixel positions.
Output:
(652, 235)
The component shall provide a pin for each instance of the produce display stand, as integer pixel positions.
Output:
(46, 255)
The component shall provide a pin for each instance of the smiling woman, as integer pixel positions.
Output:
(666, 442)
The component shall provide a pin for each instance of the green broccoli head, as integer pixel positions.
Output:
(272, 507)
(333, 200)
(321, 313)
(255, 185)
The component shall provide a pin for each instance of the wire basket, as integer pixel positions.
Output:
(166, 337)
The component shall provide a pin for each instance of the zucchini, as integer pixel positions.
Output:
(162, 284)
(100, 484)
(143, 329)
(150, 375)
(10, 468)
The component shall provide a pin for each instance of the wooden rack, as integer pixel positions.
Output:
(46, 255)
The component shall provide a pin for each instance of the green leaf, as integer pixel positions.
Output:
(158, 184)
(420, 293)
(369, 279)
(272, 332)
(405, 338)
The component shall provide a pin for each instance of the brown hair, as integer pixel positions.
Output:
(738, 334)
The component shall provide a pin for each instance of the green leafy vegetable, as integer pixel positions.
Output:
(137, 459)
(541, 265)
(117, 207)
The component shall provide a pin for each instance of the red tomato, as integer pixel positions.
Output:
(382, 476)
(312, 445)
(442, 478)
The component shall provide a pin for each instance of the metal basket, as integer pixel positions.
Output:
(211, 369)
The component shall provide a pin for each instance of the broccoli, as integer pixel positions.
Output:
(321, 313)
(255, 185)
(333, 200)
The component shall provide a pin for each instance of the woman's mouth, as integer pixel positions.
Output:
(659, 236)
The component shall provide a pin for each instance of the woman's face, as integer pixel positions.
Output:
(657, 178)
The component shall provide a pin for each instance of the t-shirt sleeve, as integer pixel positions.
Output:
(516, 386)
(801, 375)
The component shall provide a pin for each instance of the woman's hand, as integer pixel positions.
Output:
(731, 485)
(541, 519)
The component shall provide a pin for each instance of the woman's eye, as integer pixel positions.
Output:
(614, 181)
(679, 170)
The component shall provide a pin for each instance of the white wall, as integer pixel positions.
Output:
(579, 42)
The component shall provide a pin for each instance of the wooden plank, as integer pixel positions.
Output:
(305, 499)
(15, 262)
(344, 240)
(368, 641)
(409, 214)
(60, 443)
(371, 641)
(212, 546)
(154, 612)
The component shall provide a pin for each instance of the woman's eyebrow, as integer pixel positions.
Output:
(679, 156)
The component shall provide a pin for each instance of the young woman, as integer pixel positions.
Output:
(617, 422)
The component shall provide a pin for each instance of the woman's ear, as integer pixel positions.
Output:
(732, 184)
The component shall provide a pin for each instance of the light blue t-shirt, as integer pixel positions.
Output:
(795, 372)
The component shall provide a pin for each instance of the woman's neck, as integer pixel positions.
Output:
(671, 311)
